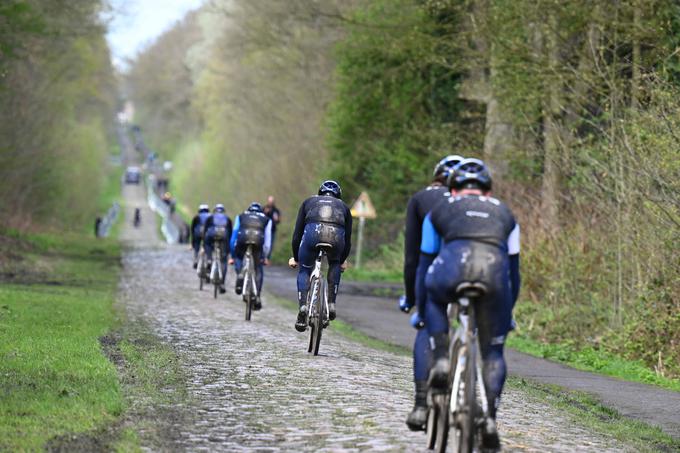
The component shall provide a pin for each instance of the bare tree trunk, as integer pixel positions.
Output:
(552, 135)
(636, 76)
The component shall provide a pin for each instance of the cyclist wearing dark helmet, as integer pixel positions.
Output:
(197, 229)
(476, 238)
(253, 228)
(218, 228)
(416, 264)
(323, 218)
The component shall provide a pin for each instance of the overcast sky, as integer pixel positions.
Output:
(136, 23)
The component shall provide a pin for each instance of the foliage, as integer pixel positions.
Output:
(57, 90)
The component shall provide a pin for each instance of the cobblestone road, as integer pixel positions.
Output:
(253, 387)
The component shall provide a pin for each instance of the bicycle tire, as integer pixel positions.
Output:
(441, 402)
(431, 427)
(319, 319)
(311, 322)
(468, 419)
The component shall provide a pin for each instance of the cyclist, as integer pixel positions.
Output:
(415, 268)
(476, 238)
(323, 218)
(218, 228)
(254, 228)
(197, 229)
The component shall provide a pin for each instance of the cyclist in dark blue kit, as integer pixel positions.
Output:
(218, 228)
(251, 228)
(415, 268)
(476, 238)
(321, 219)
(197, 225)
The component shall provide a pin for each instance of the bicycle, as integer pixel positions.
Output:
(317, 299)
(463, 405)
(216, 271)
(249, 292)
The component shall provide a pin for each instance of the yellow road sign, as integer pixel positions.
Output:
(363, 208)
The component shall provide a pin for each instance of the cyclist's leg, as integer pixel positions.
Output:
(422, 355)
(209, 244)
(493, 319)
(223, 259)
(442, 278)
(259, 268)
(238, 254)
(196, 244)
(306, 259)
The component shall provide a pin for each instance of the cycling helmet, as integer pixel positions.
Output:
(219, 207)
(331, 187)
(470, 173)
(444, 166)
(255, 207)
(203, 208)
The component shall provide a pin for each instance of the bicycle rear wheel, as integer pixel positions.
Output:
(319, 308)
(464, 422)
(247, 294)
(312, 302)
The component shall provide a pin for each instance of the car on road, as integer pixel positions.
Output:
(133, 175)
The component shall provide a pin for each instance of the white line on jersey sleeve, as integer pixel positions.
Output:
(513, 241)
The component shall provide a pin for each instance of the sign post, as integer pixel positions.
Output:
(362, 209)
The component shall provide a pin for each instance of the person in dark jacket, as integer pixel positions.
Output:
(415, 269)
(476, 239)
(197, 230)
(218, 228)
(251, 228)
(323, 218)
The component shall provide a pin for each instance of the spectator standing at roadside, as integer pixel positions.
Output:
(274, 214)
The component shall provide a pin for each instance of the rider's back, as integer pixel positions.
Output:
(476, 218)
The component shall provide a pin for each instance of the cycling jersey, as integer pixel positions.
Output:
(252, 228)
(418, 206)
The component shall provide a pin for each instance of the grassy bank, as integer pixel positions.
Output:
(56, 301)
(586, 411)
(590, 359)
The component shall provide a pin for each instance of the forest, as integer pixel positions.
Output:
(575, 105)
(58, 93)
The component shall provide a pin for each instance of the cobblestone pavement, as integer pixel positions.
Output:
(253, 387)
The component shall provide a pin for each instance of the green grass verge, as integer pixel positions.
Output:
(56, 300)
(373, 274)
(586, 411)
(589, 359)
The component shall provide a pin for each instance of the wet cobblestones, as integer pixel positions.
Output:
(253, 386)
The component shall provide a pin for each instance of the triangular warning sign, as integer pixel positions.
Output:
(363, 207)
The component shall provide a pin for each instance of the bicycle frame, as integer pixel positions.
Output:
(216, 271)
(249, 273)
(316, 273)
(466, 335)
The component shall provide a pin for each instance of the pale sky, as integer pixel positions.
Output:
(136, 23)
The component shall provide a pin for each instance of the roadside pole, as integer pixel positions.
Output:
(362, 209)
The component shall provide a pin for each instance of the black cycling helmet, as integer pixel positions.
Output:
(255, 207)
(203, 207)
(470, 173)
(444, 167)
(330, 187)
(219, 207)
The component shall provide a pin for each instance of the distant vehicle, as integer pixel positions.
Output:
(133, 175)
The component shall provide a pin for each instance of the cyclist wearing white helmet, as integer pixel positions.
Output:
(197, 229)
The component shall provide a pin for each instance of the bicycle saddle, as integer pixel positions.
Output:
(323, 246)
(471, 289)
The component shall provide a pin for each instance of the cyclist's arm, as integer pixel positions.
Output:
(513, 252)
(299, 230)
(234, 234)
(348, 234)
(267, 239)
(431, 241)
(412, 239)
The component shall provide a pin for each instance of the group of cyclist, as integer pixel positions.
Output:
(455, 232)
